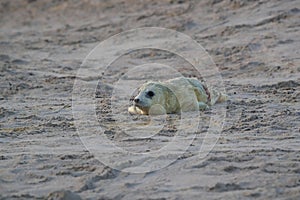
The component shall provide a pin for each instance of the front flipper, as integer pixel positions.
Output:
(203, 106)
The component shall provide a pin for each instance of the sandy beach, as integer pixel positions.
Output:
(254, 46)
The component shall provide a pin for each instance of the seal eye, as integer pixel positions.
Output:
(150, 94)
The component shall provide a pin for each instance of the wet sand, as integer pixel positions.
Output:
(255, 46)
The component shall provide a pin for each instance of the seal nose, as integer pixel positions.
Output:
(136, 100)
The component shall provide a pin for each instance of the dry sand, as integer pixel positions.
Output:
(256, 46)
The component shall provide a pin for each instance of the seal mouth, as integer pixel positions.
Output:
(141, 106)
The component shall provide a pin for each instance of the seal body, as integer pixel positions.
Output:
(174, 96)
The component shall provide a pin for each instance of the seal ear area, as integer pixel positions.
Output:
(170, 100)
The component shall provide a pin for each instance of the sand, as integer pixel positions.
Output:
(255, 46)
